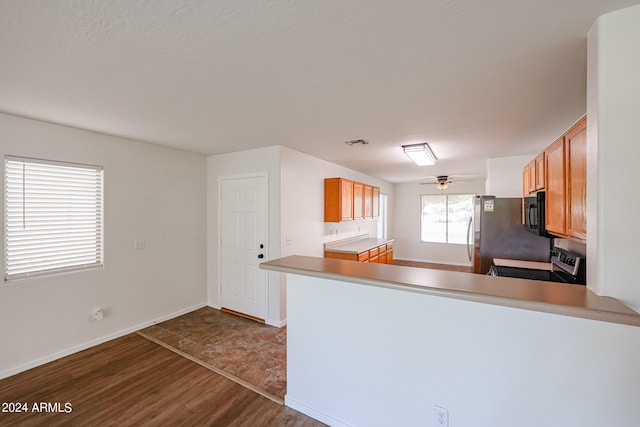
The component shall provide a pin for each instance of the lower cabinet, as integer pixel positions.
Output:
(382, 254)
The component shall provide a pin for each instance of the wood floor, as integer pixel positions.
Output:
(133, 381)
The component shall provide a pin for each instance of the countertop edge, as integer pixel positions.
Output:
(630, 318)
(355, 246)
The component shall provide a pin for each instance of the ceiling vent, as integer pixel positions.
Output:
(356, 142)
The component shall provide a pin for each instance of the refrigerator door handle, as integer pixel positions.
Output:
(469, 235)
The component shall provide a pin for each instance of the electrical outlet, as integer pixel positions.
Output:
(441, 416)
(139, 244)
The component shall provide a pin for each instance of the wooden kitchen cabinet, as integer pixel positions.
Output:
(540, 172)
(555, 187)
(533, 175)
(389, 253)
(576, 180)
(376, 202)
(566, 203)
(358, 200)
(368, 250)
(368, 201)
(338, 200)
(529, 178)
(346, 200)
(526, 174)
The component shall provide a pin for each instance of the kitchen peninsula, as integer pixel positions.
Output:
(369, 343)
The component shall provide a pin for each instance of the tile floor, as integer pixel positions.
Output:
(248, 352)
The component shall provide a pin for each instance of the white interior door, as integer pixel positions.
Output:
(243, 222)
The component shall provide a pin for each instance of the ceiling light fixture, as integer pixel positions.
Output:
(421, 154)
(442, 185)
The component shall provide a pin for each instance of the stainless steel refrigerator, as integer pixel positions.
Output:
(498, 233)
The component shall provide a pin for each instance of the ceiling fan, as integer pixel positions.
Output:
(442, 182)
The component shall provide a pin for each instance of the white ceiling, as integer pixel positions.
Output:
(475, 79)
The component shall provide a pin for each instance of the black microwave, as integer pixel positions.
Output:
(534, 213)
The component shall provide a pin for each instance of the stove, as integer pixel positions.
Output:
(567, 268)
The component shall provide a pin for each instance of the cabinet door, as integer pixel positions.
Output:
(529, 178)
(368, 201)
(382, 254)
(539, 184)
(376, 202)
(338, 200)
(555, 187)
(358, 200)
(576, 170)
(532, 176)
(525, 180)
(346, 199)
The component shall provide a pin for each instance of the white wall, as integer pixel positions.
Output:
(302, 197)
(504, 175)
(489, 366)
(613, 108)
(296, 211)
(407, 225)
(150, 193)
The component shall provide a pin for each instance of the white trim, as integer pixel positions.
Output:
(267, 231)
(50, 358)
(277, 324)
(323, 418)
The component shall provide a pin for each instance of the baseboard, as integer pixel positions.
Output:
(276, 323)
(50, 358)
(323, 418)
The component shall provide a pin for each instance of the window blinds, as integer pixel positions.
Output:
(53, 217)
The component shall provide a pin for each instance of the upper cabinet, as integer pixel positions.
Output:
(576, 173)
(561, 170)
(368, 201)
(346, 200)
(555, 187)
(540, 172)
(358, 200)
(376, 202)
(533, 175)
(338, 200)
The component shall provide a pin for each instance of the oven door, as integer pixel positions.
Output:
(534, 213)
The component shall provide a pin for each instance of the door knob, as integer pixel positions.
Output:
(261, 256)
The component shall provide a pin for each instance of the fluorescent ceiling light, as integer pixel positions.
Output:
(420, 154)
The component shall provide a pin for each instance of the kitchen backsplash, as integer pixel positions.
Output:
(571, 246)
(346, 229)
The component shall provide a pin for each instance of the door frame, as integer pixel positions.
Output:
(222, 178)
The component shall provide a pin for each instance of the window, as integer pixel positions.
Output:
(445, 217)
(382, 220)
(52, 217)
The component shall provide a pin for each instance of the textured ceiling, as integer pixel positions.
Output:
(475, 79)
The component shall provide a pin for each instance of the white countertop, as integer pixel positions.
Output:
(355, 246)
